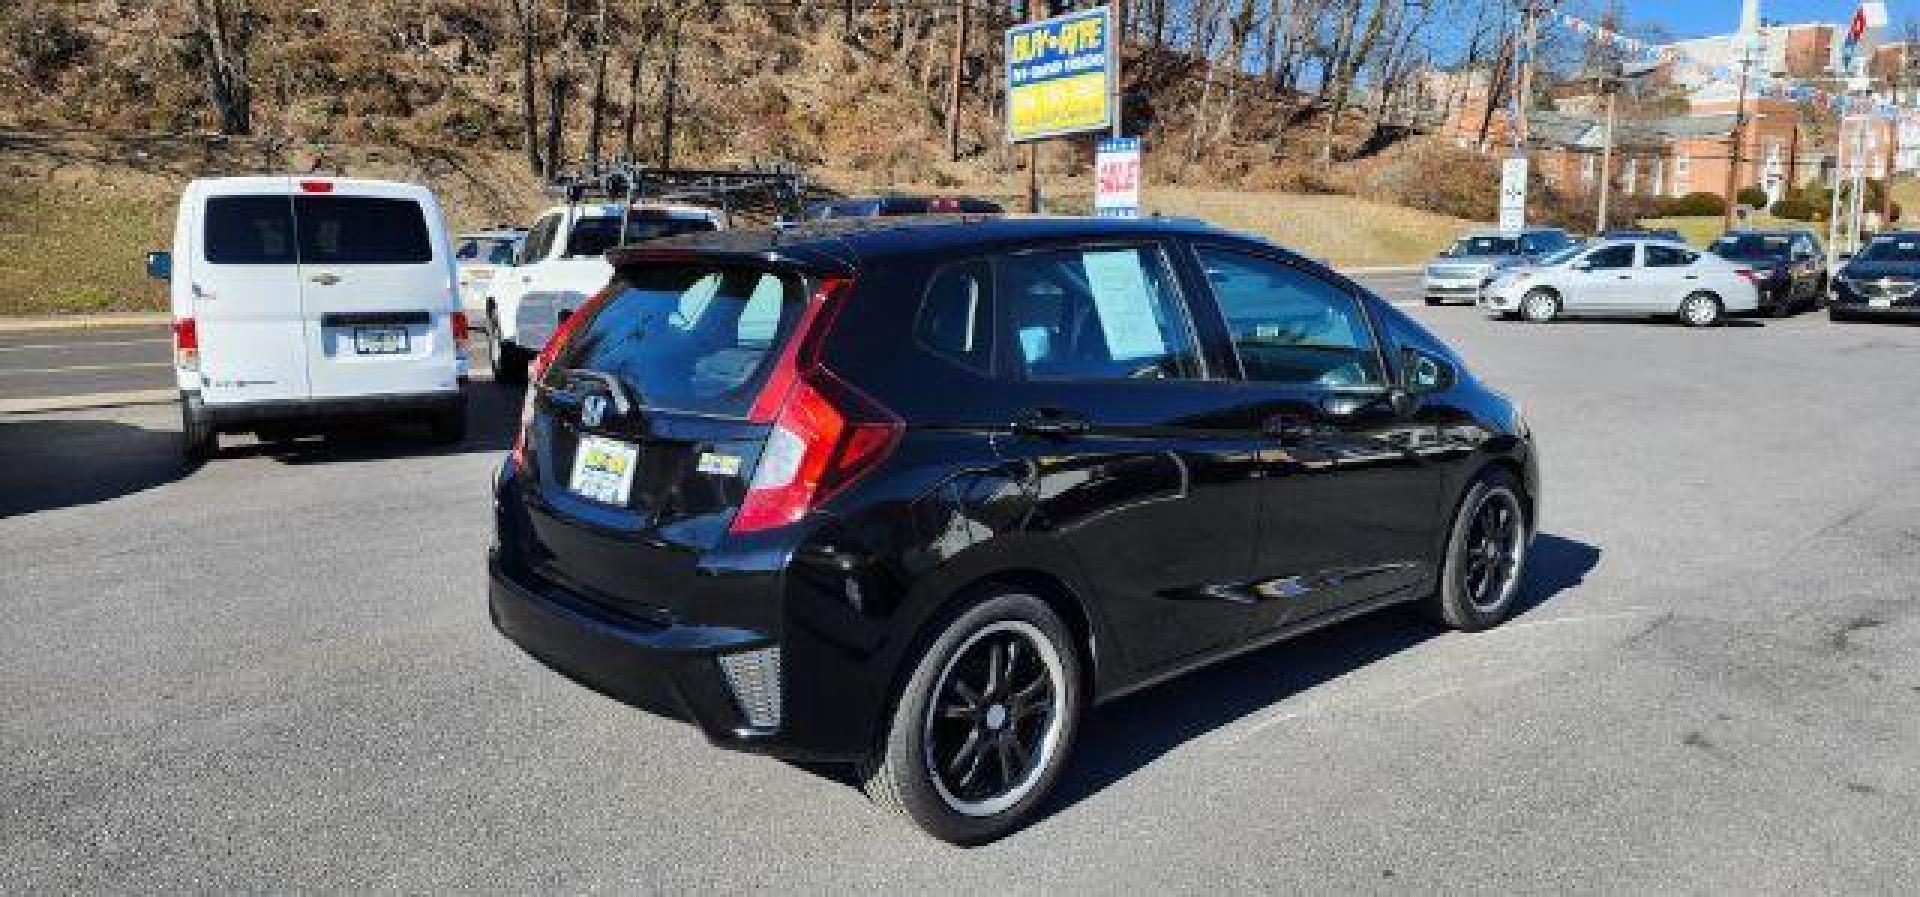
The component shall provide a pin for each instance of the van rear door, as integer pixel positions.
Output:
(377, 286)
(245, 294)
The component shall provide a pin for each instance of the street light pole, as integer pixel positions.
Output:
(1739, 135)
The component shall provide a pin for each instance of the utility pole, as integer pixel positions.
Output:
(1611, 85)
(1739, 134)
(960, 24)
(1117, 48)
(1036, 11)
(1523, 96)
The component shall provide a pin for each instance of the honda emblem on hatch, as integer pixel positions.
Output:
(592, 410)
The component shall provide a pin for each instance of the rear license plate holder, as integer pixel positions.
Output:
(603, 470)
(380, 341)
(1880, 302)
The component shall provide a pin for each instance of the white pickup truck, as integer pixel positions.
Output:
(562, 263)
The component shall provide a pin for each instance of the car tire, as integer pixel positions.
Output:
(507, 361)
(1782, 307)
(1486, 555)
(199, 441)
(1701, 309)
(1540, 305)
(1834, 313)
(1000, 738)
(449, 427)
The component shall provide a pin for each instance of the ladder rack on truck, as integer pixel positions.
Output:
(772, 194)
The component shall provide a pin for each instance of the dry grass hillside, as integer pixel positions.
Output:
(77, 213)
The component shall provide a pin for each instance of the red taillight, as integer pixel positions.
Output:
(561, 335)
(826, 434)
(462, 339)
(316, 186)
(1751, 275)
(186, 344)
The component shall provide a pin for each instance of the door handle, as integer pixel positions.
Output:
(1691, 276)
(325, 280)
(1624, 276)
(1051, 423)
(1292, 429)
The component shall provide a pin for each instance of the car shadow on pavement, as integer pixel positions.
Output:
(48, 463)
(493, 417)
(1126, 735)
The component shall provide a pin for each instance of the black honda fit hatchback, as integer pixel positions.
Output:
(912, 494)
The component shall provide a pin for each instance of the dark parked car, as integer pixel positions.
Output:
(884, 206)
(1791, 269)
(1881, 281)
(914, 495)
(1666, 234)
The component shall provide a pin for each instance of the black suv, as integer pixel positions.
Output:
(1791, 266)
(912, 494)
(1883, 281)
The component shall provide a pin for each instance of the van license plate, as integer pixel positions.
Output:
(603, 469)
(379, 340)
(1880, 303)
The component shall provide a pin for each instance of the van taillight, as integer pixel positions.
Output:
(186, 344)
(535, 372)
(316, 186)
(462, 338)
(826, 433)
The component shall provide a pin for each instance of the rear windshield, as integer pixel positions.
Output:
(594, 236)
(1469, 246)
(697, 338)
(1753, 247)
(315, 230)
(1904, 248)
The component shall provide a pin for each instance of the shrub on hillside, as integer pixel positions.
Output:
(1439, 178)
(1794, 208)
(1695, 205)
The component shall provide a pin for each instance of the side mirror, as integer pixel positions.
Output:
(1422, 373)
(160, 265)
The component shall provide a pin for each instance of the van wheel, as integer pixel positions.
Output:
(198, 441)
(1700, 310)
(1486, 557)
(984, 725)
(449, 427)
(507, 361)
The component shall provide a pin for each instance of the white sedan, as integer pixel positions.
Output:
(1617, 278)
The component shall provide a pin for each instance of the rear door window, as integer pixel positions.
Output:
(1096, 313)
(361, 230)
(594, 236)
(249, 230)
(1659, 256)
(692, 337)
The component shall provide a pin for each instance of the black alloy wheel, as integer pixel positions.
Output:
(1486, 555)
(984, 723)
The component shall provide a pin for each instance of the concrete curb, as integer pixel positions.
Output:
(85, 322)
(44, 404)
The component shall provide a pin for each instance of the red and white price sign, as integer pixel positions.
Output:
(1116, 178)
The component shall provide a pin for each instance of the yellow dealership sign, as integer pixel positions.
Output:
(1060, 75)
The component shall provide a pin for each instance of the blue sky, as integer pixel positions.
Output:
(1696, 18)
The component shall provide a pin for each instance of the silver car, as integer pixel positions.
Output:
(1471, 261)
(1623, 278)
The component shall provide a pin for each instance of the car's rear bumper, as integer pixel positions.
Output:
(396, 407)
(671, 670)
(1842, 308)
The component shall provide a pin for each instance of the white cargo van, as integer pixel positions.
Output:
(304, 301)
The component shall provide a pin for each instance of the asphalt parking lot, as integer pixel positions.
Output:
(275, 673)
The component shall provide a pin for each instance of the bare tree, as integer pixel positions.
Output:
(527, 13)
(954, 79)
(597, 105)
(222, 34)
(559, 86)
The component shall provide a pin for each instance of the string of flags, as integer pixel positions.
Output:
(1762, 85)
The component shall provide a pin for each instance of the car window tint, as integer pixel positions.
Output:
(361, 230)
(1618, 255)
(693, 337)
(539, 240)
(1096, 314)
(594, 236)
(1289, 326)
(501, 253)
(956, 317)
(1659, 256)
(469, 249)
(249, 230)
